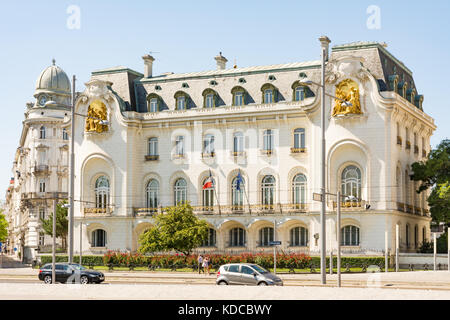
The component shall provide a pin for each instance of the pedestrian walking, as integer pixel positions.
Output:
(200, 263)
(206, 265)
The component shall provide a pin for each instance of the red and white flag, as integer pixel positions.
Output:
(208, 182)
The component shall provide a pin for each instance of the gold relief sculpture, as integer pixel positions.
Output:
(347, 90)
(96, 113)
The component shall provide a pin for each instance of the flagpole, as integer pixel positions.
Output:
(215, 191)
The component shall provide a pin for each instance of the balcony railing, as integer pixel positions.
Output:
(252, 209)
(298, 150)
(350, 205)
(267, 152)
(142, 212)
(151, 157)
(208, 155)
(41, 169)
(238, 153)
(98, 211)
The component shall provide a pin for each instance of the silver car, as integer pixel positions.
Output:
(246, 274)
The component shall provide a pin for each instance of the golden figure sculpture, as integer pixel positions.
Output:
(96, 112)
(347, 90)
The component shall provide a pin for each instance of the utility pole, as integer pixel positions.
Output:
(72, 174)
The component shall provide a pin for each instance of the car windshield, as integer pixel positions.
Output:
(77, 267)
(259, 269)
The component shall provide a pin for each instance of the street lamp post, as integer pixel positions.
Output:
(72, 174)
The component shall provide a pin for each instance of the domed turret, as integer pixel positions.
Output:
(53, 84)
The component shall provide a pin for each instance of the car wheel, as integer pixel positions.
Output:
(48, 279)
(223, 283)
(262, 283)
(84, 280)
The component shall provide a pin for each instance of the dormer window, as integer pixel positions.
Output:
(153, 105)
(300, 93)
(65, 136)
(269, 93)
(209, 98)
(239, 94)
(154, 102)
(181, 100)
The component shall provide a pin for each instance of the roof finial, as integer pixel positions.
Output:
(53, 61)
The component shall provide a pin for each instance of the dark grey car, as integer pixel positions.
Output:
(246, 274)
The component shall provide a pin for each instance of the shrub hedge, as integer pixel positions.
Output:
(297, 261)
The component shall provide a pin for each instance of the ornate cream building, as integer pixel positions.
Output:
(256, 132)
(40, 164)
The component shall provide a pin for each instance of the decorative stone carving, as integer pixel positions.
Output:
(347, 90)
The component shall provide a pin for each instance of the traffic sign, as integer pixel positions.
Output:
(317, 197)
(275, 243)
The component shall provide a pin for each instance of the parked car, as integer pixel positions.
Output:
(246, 274)
(71, 272)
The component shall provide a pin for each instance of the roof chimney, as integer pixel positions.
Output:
(148, 65)
(221, 61)
(325, 44)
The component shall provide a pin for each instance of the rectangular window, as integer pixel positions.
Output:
(181, 103)
(299, 94)
(179, 145)
(299, 138)
(209, 101)
(41, 239)
(65, 135)
(153, 146)
(238, 142)
(239, 99)
(268, 96)
(268, 140)
(154, 105)
(42, 186)
(42, 213)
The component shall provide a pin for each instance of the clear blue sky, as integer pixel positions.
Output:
(187, 35)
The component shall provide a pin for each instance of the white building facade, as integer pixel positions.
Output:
(40, 167)
(256, 132)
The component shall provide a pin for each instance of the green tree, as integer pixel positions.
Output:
(434, 174)
(177, 229)
(62, 224)
(3, 227)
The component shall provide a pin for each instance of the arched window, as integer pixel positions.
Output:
(299, 190)
(209, 98)
(180, 191)
(237, 193)
(269, 93)
(208, 195)
(65, 136)
(351, 183)
(102, 192)
(407, 236)
(210, 241)
(154, 102)
(398, 178)
(300, 92)
(416, 237)
(237, 237)
(268, 192)
(239, 96)
(265, 236)
(208, 145)
(299, 138)
(299, 237)
(98, 238)
(238, 143)
(42, 133)
(350, 236)
(152, 194)
(153, 146)
(181, 100)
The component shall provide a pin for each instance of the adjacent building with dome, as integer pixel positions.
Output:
(40, 165)
(255, 132)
